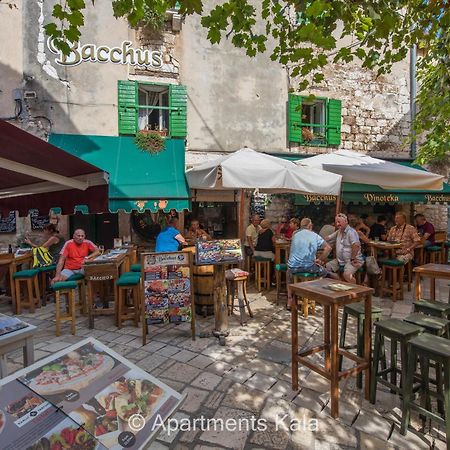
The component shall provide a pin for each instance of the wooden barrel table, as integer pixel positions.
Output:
(203, 278)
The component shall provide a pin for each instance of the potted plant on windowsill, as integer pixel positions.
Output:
(150, 141)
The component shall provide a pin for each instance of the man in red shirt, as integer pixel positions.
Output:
(74, 253)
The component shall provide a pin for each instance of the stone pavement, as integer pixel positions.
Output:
(249, 380)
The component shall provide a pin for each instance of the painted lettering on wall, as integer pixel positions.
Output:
(381, 198)
(125, 54)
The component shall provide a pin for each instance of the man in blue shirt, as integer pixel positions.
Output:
(303, 253)
(170, 238)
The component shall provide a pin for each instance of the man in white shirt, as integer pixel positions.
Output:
(251, 235)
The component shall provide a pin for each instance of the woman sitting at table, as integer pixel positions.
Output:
(53, 241)
(170, 239)
(294, 226)
(264, 247)
(283, 227)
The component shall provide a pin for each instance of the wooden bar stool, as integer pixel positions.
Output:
(66, 288)
(82, 302)
(262, 273)
(136, 268)
(430, 308)
(45, 273)
(31, 279)
(399, 332)
(393, 274)
(433, 254)
(306, 303)
(433, 325)
(428, 348)
(238, 285)
(128, 286)
(356, 310)
(280, 272)
(445, 248)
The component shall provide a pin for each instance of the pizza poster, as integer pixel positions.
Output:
(167, 287)
(10, 324)
(220, 251)
(89, 388)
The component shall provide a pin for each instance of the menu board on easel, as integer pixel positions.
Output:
(167, 288)
(38, 222)
(220, 251)
(8, 224)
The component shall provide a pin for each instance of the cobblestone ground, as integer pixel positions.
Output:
(250, 377)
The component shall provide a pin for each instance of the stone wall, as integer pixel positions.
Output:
(435, 214)
(375, 110)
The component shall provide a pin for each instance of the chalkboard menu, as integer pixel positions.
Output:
(167, 287)
(8, 224)
(220, 251)
(38, 222)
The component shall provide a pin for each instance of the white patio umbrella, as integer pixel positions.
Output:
(248, 169)
(359, 168)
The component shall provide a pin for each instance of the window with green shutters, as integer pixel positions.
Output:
(314, 121)
(151, 106)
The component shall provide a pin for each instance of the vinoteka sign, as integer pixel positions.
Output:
(123, 54)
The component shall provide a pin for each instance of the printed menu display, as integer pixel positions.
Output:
(9, 324)
(167, 287)
(221, 251)
(85, 397)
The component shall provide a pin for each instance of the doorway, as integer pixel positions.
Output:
(99, 228)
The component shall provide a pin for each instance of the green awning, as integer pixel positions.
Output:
(138, 180)
(369, 193)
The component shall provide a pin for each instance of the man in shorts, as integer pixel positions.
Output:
(74, 254)
(303, 254)
(348, 250)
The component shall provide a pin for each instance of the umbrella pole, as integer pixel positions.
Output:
(241, 214)
(339, 202)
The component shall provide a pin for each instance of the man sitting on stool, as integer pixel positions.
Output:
(303, 254)
(348, 250)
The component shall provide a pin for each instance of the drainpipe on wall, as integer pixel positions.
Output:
(412, 97)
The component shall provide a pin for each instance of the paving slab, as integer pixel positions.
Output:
(244, 397)
(207, 380)
(373, 424)
(261, 382)
(201, 362)
(239, 374)
(182, 372)
(184, 355)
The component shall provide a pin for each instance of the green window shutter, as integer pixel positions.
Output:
(294, 118)
(127, 92)
(334, 108)
(178, 111)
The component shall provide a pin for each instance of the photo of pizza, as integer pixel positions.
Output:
(2, 420)
(68, 436)
(20, 408)
(183, 314)
(73, 371)
(157, 286)
(153, 301)
(157, 315)
(179, 285)
(179, 299)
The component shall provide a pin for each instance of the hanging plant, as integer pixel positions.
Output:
(149, 141)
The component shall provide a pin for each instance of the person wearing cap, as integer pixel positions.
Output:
(303, 254)
(348, 250)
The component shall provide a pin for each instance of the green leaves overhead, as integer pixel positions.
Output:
(309, 34)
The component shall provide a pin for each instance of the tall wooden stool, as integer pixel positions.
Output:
(66, 288)
(430, 308)
(31, 279)
(399, 332)
(433, 254)
(428, 348)
(128, 287)
(280, 272)
(238, 285)
(445, 248)
(45, 273)
(356, 310)
(393, 274)
(433, 325)
(262, 273)
(136, 268)
(306, 303)
(82, 301)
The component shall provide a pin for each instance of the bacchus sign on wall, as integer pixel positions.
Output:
(123, 54)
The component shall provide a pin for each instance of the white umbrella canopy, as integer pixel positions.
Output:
(359, 168)
(248, 169)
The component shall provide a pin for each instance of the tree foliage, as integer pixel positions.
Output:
(308, 35)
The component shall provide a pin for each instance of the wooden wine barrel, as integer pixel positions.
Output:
(203, 290)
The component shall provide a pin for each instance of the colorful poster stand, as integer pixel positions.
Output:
(84, 397)
(167, 289)
(220, 251)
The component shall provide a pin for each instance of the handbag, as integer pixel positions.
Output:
(372, 266)
(41, 257)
